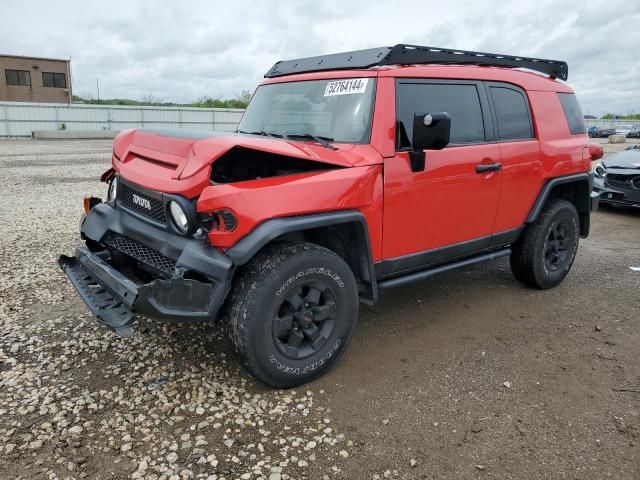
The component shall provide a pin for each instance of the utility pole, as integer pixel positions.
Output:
(98, 87)
(70, 81)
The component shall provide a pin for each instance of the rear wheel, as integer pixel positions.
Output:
(544, 253)
(291, 313)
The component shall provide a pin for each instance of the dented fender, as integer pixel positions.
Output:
(256, 201)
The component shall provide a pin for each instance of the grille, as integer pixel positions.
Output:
(622, 182)
(157, 210)
(140, 252)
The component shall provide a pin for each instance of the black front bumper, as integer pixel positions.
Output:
(615, 196)
(193, 289)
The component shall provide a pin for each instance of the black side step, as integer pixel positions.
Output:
(108, 309)
(422, 274)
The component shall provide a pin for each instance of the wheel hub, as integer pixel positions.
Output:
(556, 246)
(304, 320)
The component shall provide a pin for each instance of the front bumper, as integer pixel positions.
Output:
(163, 276)
(615, 196)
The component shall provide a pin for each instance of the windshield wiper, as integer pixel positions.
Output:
(324, 141)
(263, 133)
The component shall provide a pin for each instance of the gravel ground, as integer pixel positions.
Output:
(78, 401)
(467, 375)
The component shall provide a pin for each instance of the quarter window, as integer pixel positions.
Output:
(460, 101)
(514, 121)
(51, 79)
(18, 77)
(573, 113)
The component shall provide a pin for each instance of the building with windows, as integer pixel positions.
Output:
(32, 79)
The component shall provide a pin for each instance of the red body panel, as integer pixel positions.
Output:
(447, 203)
(255, 201)
(521, 182)
(406, 211)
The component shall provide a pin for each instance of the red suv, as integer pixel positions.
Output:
(349, 174)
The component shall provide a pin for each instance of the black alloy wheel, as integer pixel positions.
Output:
(304, 320)
(291, 312)
(543, 254)
(556, 246)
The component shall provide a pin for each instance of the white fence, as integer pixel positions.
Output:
(19, 119)
(598, 122)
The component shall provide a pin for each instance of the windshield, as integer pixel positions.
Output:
(337, 110)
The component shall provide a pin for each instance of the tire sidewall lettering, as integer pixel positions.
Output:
(309, 367)
(310, 271)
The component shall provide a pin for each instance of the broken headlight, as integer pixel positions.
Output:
(223, 220)
(600, 171)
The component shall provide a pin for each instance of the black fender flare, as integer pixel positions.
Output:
(248, 246)
(582, 205)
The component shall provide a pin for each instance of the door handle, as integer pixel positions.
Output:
(492, 167)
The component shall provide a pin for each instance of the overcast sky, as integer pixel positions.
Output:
(182, 50)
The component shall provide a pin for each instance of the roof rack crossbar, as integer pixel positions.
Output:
(402, 54)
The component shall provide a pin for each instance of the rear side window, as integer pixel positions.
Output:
(460, 101)
(573, 113)
(512, 114)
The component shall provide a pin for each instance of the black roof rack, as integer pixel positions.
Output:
(413, 54)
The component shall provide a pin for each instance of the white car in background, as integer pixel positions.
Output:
(623, 129)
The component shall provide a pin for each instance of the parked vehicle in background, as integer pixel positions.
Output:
(617, 178)
(634, 132)
(623, 130)
(604, 132)
(592, 132)
(350, 174)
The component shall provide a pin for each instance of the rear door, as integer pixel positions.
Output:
(448, 210)
(520, 154)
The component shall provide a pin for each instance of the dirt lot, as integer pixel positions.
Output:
(465, 375)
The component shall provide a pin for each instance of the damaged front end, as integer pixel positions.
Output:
(161, 246)
(136, 265)
(617, 178)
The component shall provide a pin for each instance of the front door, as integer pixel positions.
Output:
(448, 210)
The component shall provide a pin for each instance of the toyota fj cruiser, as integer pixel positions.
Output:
(348, 175)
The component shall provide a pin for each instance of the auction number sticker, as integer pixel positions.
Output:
(346, 87)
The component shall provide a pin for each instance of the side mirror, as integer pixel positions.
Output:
(431, 131)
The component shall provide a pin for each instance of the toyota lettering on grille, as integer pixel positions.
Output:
(141, 202)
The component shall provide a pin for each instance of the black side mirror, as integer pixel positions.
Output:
(431, 131)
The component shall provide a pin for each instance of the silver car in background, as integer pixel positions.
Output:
(623, 130)
(634, 132)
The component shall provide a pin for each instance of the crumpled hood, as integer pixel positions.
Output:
(187, 152)
(627, 159)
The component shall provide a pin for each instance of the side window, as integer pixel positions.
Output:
(57, 80)
(573, 113)
(514, 121)
(461, 101)
(18, 77)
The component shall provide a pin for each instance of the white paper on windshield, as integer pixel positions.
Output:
(349, 86)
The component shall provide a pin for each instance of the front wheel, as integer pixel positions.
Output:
(545, 251)
(291, 313)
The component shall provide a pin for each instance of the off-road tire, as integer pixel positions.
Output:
(260, 292)
(528, 255)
